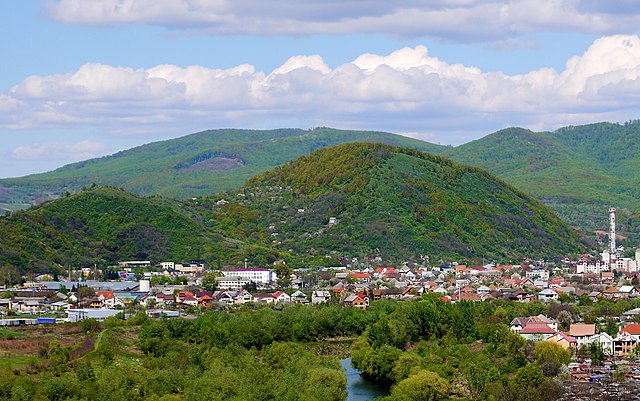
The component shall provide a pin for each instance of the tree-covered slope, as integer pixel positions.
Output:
(578, 171)
(105, 225)
(398, 203)
(199, 164)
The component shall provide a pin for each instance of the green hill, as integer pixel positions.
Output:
(195, 165)
(578, 171)
(396, 202)
(393, 202)
(105, 225)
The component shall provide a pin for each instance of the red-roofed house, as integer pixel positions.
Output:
(355, 301)
(612, 293)
(627, 339)
(281, 296)
(537, 331)
(205, 301)
(361, 277)
(466, 296)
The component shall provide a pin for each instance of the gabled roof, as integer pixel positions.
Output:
(633, 329)
(537, 328)
(105, 294)
(562, 336)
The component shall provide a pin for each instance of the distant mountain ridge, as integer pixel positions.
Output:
(579, 171)
(194, 165)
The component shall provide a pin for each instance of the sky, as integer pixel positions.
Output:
(87, 78)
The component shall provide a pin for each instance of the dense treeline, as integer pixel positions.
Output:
(251, 354)
(434, 350)
(102, 226)
(425, 349)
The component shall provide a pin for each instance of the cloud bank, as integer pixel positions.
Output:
(408, 90)
(456, 20)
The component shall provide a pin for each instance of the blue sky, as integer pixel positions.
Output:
(86, 78)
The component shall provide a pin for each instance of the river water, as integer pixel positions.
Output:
(359, 389)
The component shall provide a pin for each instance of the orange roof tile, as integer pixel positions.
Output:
(582, 330)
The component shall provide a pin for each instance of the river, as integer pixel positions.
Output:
(359, 389)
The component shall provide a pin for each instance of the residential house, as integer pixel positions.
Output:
(242, 296)
(605, 341)
(109, 300)
(224, 297)
(628, 291)
(299, 297)
(360, 277)
(536, 331)
(483, 290)
(355, 301)
(205, 301)
(627, 339)
(264, 298)
(583, 333)
(282, 297)
(165, 300)
(564, 340)
(466, 296)
(547, 295)
(612, 293)
(320, 296)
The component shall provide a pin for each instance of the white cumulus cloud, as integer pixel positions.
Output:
(408, 90)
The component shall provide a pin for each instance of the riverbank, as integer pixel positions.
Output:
(358, 388)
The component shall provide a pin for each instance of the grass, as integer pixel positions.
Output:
(10, 334)
(15, 362)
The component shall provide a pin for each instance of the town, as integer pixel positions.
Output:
(603, 345)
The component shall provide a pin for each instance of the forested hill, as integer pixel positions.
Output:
(393, 202)
(396, 201)
(194, 165)
(103, 226)
(578, 171)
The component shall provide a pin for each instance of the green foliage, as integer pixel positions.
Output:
(422, 386)
(395, 202)
(596, 353)
(579, 171)
(551, 356)
(210, 282)
(398, 203)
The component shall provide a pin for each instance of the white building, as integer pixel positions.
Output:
(235, 279)
(592, 267)
(75, 315)
(167, 265)
(135, 263)
(258, 275)
(319, 296)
